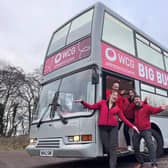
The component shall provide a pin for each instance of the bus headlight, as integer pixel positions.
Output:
(33, 141)
(79, 138)
(75, 138)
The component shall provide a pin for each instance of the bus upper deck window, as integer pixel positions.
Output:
(118, 34)
(81, 26)
(149, 54)
(166, 62)
(58, 39)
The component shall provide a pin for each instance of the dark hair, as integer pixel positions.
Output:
(133, 91)
(116, 82)
(137, 96)
(113, 91)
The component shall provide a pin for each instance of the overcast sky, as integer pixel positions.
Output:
(26, 25)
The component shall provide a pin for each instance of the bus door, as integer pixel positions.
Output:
(125, 84)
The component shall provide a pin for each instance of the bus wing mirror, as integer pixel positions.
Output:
(95, 76)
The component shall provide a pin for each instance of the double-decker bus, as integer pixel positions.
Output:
(84, 57)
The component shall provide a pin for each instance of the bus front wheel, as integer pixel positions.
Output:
(158, 144)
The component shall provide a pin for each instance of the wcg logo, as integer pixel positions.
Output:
(110, 54)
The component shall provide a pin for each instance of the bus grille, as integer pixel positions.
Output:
(48, 143)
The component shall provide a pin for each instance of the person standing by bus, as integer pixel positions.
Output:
(119, 101)
(142, 114)
(128, 109)
(108, 124)
(116, 87)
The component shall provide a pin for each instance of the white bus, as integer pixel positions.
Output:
(84, 57)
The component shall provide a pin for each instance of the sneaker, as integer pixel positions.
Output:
(139, 165)
(154, 165)
(130, 149)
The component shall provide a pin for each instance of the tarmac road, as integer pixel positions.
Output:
(20, 159)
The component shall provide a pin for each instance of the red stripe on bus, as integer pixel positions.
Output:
(118, 61)
(68, 56)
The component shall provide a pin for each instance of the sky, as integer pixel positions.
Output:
(26, 26)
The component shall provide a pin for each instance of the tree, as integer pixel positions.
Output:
(12, 79)
(19, 94)
(1, 119)
(29, 92)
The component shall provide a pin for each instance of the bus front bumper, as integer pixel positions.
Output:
(70, 150)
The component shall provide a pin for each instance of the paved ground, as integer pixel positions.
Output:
(20, 159)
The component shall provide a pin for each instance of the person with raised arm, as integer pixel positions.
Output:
(142, 114)
(108, 124)
(116, 86)
(128, 109)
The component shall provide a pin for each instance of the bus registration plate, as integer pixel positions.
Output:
(46, 152)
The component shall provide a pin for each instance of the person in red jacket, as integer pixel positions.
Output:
(108, 124)
(119, 101)
(128, 109)
(116, 87)
(142, 114)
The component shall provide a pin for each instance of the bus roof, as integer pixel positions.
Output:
(92, 42)
(116, 15)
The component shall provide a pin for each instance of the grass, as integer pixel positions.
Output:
(13, 143)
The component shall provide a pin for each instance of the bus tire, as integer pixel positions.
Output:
(158, 143)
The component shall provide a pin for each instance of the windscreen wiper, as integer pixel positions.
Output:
(40, 121)
(45, 112)
(54, 106)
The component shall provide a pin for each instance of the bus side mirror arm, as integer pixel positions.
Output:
(95, 76)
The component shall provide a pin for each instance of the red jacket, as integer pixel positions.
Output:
(128, 108)
(119, 101)
(108, 117)
(142, 116)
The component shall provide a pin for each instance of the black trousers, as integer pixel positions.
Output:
(126, 133)
(109, 137)
(147, 135)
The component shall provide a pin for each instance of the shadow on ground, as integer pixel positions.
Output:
(89, 163)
